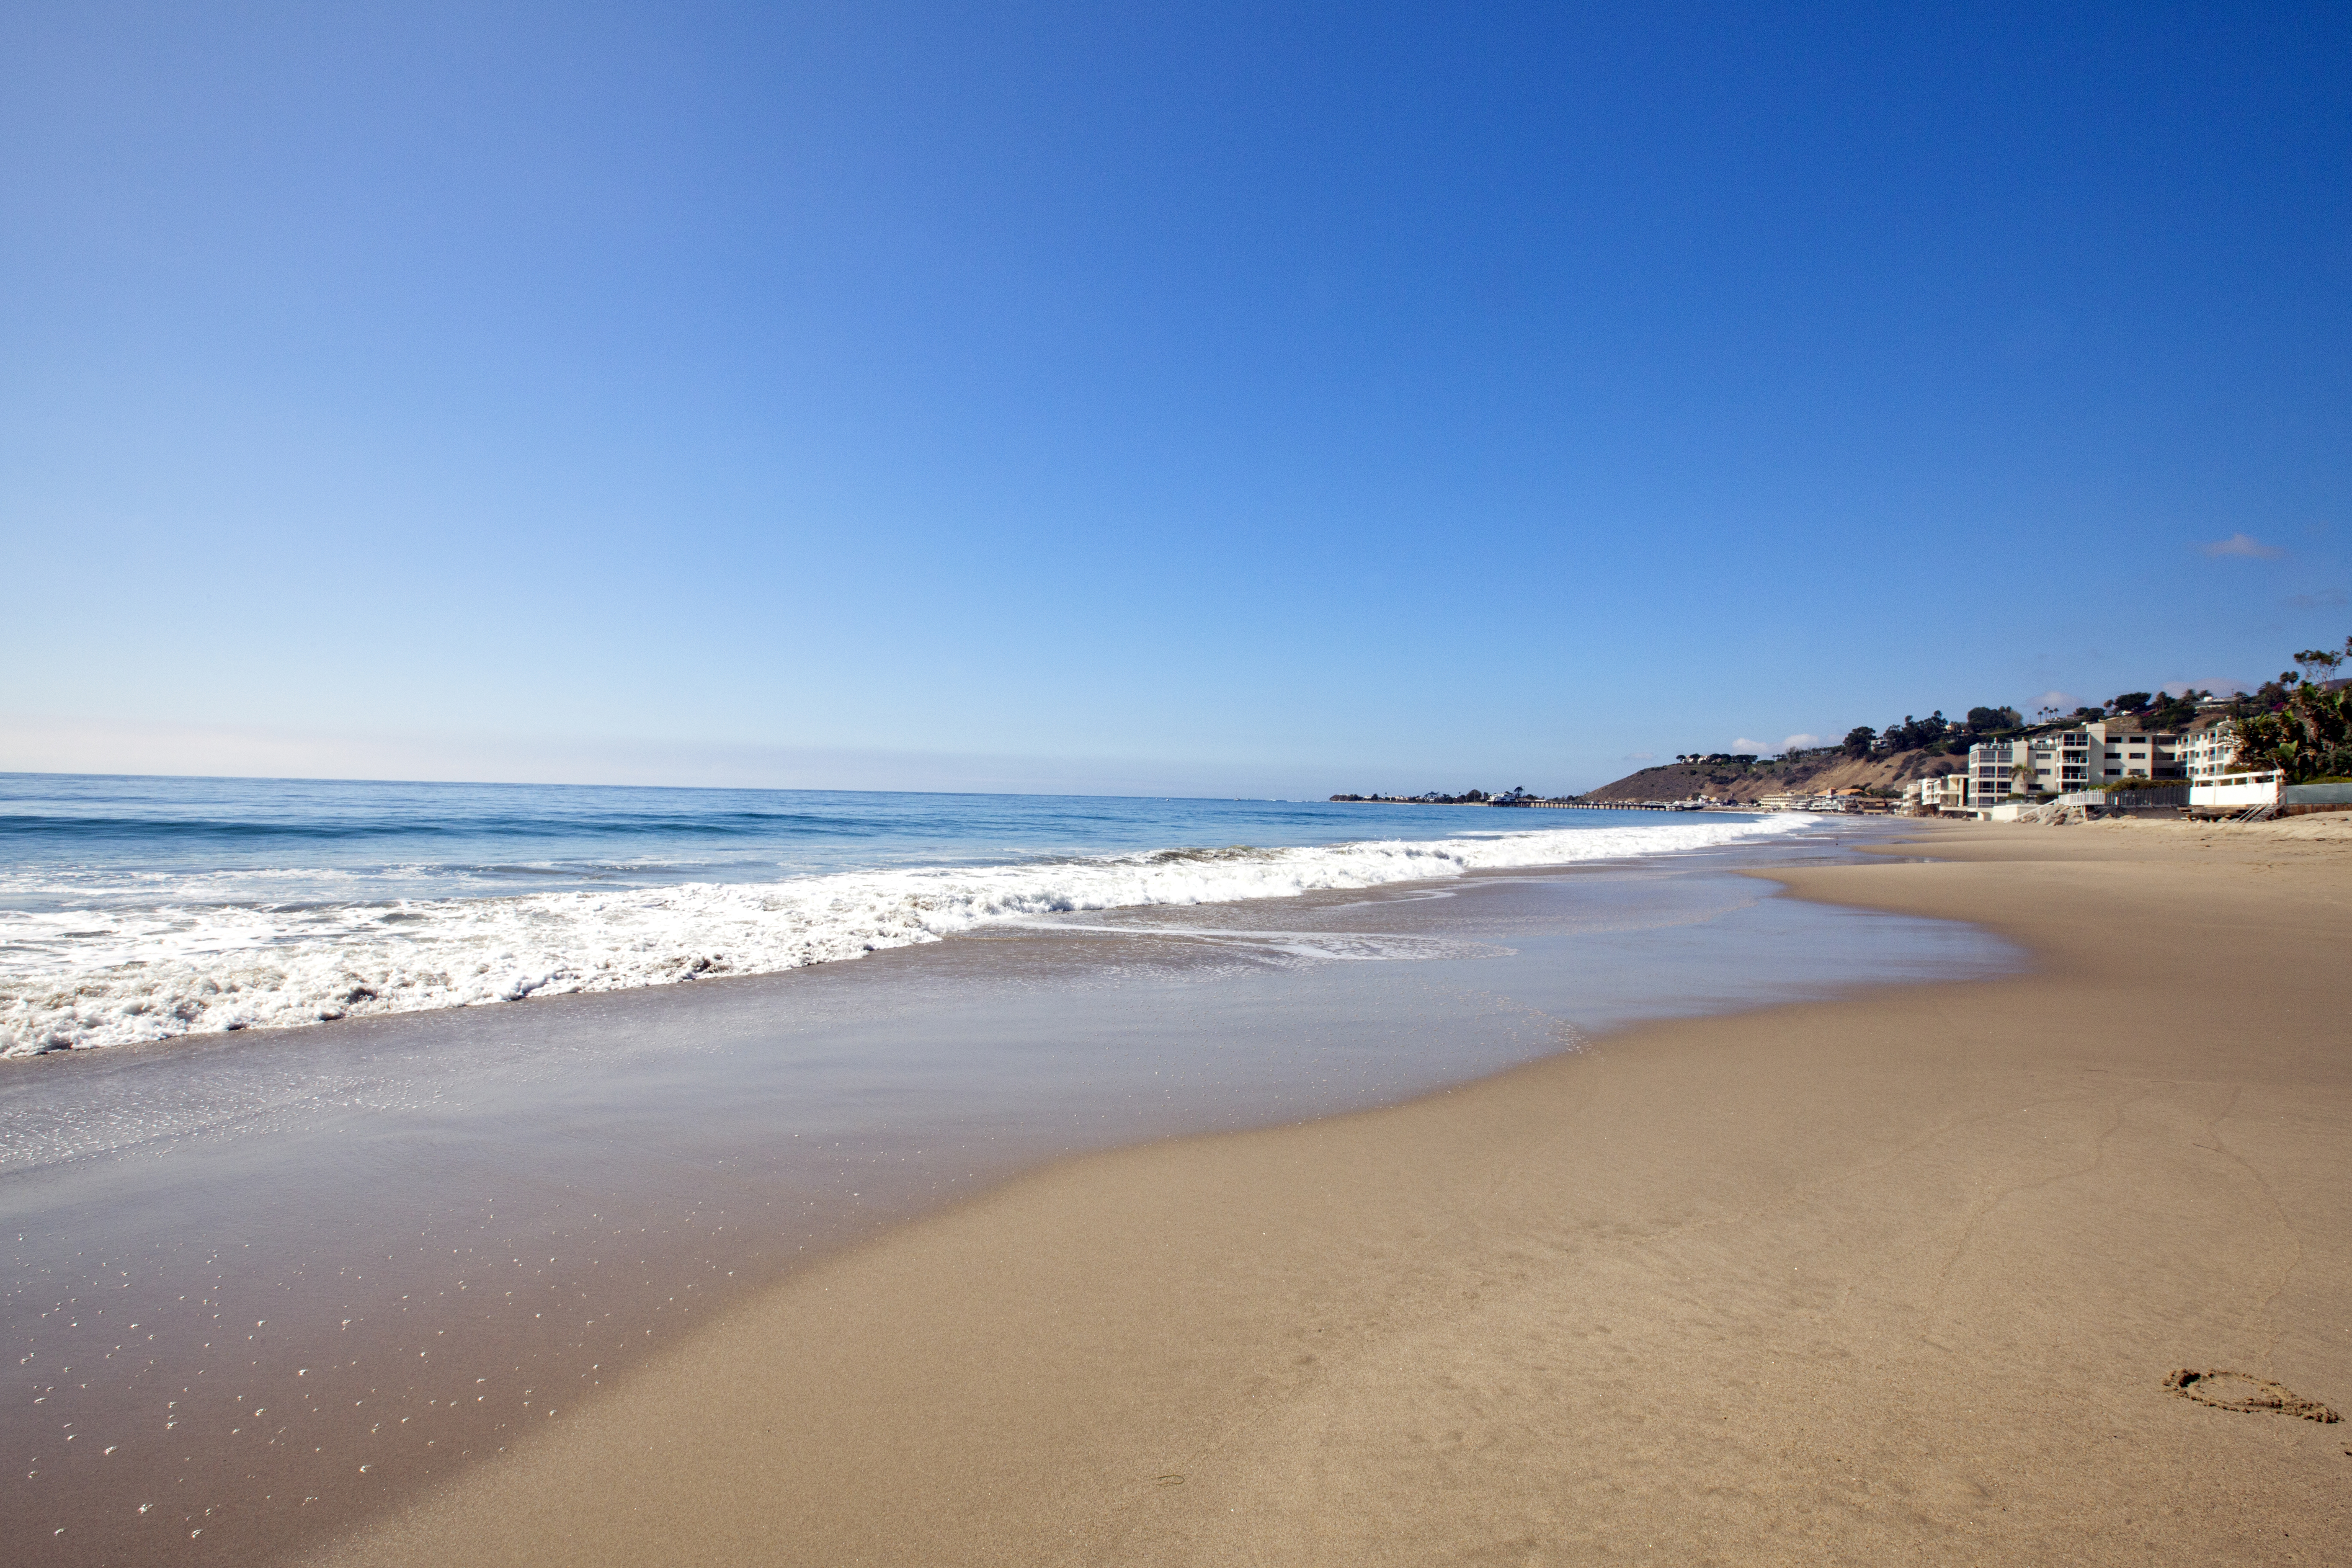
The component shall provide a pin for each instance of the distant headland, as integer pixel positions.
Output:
(1871, 768)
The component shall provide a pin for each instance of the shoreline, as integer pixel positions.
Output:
(312, 955)
(1897, 1274)
(522, 1194)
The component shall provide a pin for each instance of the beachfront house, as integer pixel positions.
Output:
(1791, 800)
(1945, 792)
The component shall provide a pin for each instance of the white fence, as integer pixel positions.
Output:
(2235, 789)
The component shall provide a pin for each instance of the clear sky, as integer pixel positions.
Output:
(1264, 399)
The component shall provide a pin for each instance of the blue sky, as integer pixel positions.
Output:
(1195, 399)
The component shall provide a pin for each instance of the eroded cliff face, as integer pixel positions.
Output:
(1680, 781)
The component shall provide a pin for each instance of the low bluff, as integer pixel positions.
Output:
(1747, 784)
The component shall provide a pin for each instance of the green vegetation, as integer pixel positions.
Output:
(2304, 726)
(1935, 733)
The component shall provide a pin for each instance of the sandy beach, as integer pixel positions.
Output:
(1894, 1277)
(932, 786)
(266, 1286)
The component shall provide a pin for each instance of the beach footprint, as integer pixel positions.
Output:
(2244, 1391)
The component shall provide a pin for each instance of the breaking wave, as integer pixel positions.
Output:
(87, 977)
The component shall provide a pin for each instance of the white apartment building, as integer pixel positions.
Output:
(2031, 765)
(2207, 754)
(2083, 758)
(2124, 753)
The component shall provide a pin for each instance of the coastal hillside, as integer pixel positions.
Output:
(1745, 783)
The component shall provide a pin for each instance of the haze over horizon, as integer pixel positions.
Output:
(1241, 400)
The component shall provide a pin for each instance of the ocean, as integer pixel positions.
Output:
(472, 1198)
(136, 909)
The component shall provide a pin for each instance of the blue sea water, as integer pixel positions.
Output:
(434, 1219)
(134, 909)
(63, 834)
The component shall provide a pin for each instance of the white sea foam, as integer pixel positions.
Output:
(101, 978)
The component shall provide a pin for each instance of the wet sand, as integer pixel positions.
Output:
(262, 1287)
(1895, 1277)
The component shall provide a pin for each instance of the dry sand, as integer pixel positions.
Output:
(1899, 1277)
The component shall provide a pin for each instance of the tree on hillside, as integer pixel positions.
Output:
(1985, 720)
(1913, 735)
(2130, 702)
(2174, 711)
(1858, 739)
(2270, 697)
(2320, 664)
